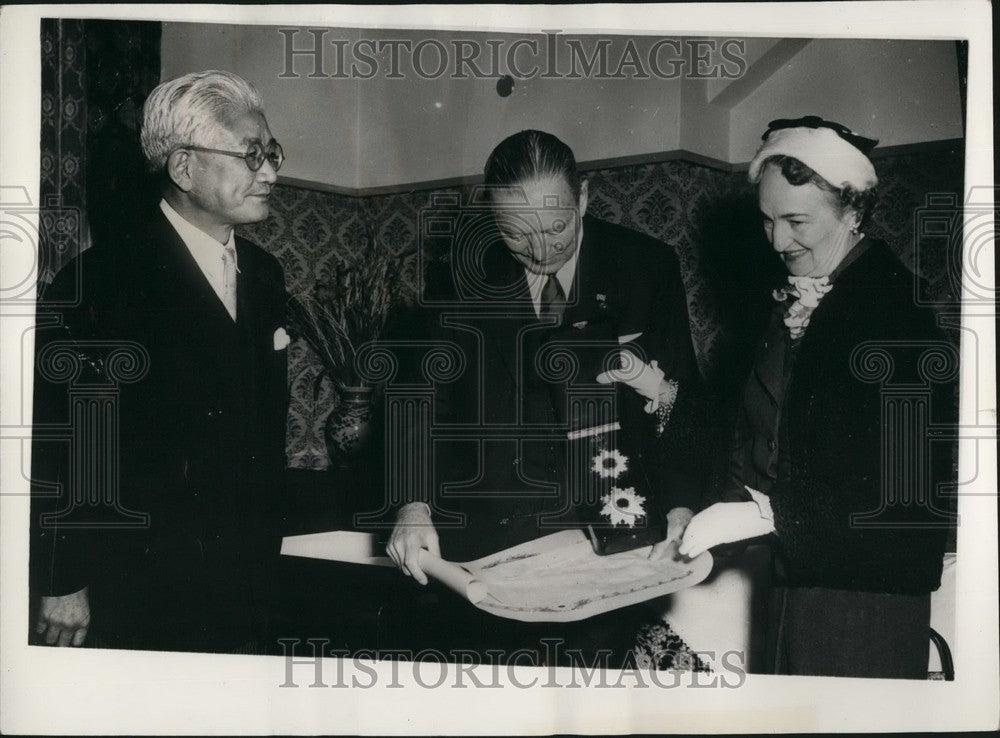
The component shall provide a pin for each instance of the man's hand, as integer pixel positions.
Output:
(64, 620)
(724, 522)
(677, 522)
(414, 531)
(646, 379)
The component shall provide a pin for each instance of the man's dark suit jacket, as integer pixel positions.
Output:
(200, 443)
(625, 280)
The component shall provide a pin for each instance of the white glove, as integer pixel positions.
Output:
(724, 522)
(646, 379)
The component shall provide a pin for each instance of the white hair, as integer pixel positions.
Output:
(200, 102)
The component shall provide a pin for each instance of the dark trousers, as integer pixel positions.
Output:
(814, 631)
(198, 597)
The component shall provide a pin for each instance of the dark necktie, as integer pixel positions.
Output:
(553, 299)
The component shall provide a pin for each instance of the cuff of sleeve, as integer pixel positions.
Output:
(667, 398)
(763, 504)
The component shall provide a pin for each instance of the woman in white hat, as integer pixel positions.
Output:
(854, 514)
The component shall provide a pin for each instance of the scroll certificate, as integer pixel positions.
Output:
(554, 578)
(358, 548)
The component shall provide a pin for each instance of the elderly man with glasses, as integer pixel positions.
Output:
(153, 527)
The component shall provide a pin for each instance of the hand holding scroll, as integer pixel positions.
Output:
(414, 532)
(677, 522)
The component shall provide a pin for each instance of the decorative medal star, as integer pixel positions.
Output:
(623, 506)
(610, 463)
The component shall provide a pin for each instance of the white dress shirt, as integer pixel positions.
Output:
(207, 252)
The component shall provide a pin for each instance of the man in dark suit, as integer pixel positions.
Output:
(157, 530)
(550, 274)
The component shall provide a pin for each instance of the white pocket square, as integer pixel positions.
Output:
(281, 339)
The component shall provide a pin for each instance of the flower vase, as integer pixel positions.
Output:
(350, 426)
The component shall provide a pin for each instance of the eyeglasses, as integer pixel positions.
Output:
(254, 156)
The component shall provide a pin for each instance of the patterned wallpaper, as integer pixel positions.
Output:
(911, 184)
(62, 185)
(95, 76)
(309, 232)
(708, 216)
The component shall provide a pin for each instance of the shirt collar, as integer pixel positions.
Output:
(195, 238)
(565, 274)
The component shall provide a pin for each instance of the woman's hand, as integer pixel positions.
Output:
(414, 531)
(724, 522)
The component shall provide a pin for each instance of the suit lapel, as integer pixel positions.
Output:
(249, 311)
(258, 315)
(507, 332)
(594, 279)
(770, 365)
(195, 335)
(185, 284)
(512, 336)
